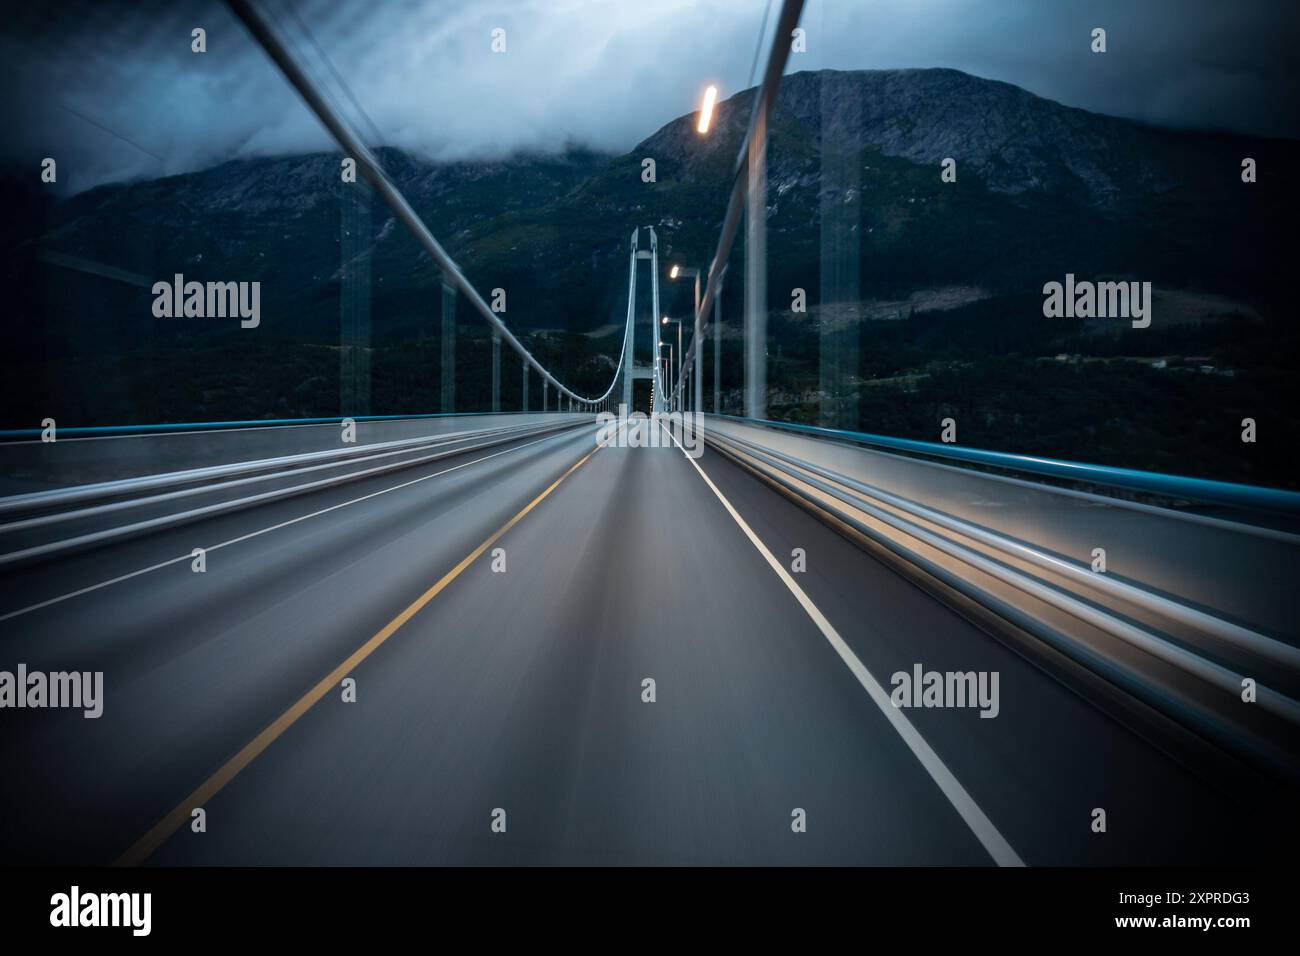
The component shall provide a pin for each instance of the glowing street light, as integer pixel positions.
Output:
(677, 370)
(688, 273)
(706, 109)
(668, 376)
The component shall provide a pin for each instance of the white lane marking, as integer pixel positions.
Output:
(262, 531)
(980, 825)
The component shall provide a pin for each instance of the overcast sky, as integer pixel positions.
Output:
(112, 90)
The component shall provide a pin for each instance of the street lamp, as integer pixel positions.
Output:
(706, 109)
(668, 387)
(678, 323)
(688, 273)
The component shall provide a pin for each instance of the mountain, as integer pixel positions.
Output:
(1011, 139)
(1042, 189)
(858, 217)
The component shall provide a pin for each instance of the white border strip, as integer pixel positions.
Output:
(975, 818)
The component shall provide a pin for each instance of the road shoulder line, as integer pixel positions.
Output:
(980, 825)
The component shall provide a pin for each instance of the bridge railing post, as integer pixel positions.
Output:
(496, 372)
(717, 352)
(697, 373)
(756, 272)
(354, 301)
(448, 342)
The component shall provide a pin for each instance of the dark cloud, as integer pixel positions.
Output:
(114, 92)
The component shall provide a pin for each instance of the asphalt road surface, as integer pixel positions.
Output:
(479, 690)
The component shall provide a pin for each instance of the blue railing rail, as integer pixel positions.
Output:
(93, 431)
(1170, 486)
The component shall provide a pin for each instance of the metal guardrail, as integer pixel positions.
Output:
(261, 468)
(486, 439)
(855, 492)
(1171, 486)
(112, 431)
(930, 540)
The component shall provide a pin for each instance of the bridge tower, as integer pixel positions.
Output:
(631, 369)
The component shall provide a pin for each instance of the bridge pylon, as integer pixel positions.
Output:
(631, 369)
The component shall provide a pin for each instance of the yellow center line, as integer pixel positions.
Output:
(168, 825)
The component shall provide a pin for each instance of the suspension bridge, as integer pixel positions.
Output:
(528, 637)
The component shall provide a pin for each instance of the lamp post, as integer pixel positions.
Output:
(668, 371)
(688, 272)
(707, 103)
(678, 323)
